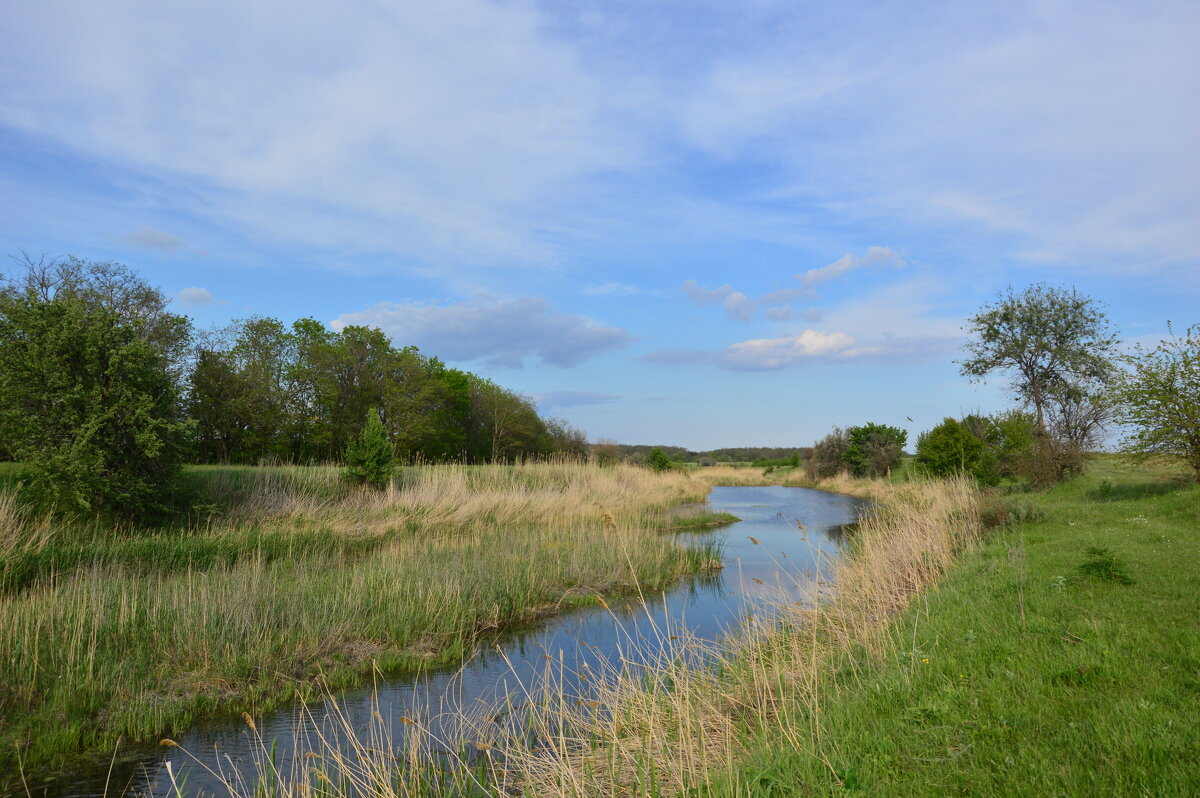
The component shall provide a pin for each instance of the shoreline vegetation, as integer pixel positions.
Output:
(1034, 643)
(291, 584)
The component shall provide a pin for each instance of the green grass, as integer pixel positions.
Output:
(1060, 658)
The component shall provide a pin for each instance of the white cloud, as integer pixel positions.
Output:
(504, 333)
(195, 297)
(150, 238)
(774, 353)
(847, 263)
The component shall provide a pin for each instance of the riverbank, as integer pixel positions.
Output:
(1061, 657)
(291, 586)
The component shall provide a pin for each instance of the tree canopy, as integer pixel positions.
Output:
(1159, 400)
(1055, 345)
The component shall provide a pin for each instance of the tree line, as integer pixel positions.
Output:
(1071, 384)
(105, 392)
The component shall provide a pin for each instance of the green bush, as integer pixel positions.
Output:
(657, 460)
(86, 400)
(951, 448)
(872, 450)
(369, 459)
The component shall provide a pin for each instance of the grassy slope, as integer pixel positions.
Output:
(1023, 673)
(111, 632)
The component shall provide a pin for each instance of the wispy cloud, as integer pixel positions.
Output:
(547, 400)
(741, 307)
(810, 279)
(150, 238)
(505, 333)
(611, 290)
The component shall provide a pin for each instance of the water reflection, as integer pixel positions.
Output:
(787, 538)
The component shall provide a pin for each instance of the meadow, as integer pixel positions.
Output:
(283, 583)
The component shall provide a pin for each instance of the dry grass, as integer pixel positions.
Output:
(674, 736)
(678, 724)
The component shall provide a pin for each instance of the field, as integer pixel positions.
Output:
(284, 575)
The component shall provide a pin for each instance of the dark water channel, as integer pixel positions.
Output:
(785, 562)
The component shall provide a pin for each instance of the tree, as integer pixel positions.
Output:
(87, 401)
(568, 440)
(952, 448)
(1053, 343)
(657, 460)
(1159, 400)
(873, 449)
(369, 459)
(828, 455)
(116, 288)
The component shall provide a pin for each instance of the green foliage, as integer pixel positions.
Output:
(369, 459)
(1054, 344)
(262, 392)
(87, 402)
(1103, 564)
(952, 448)
(828, 455)
(658, 460)
(872, 450)
(1159, 400)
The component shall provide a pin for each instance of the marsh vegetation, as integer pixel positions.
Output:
(128, 633)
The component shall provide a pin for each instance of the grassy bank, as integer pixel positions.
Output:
(109, 632)
(1060, 658)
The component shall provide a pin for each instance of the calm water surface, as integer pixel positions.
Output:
(786, 560)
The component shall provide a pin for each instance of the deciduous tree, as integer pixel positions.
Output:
(1159, 400)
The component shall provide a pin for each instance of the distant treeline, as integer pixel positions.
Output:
(678, 454)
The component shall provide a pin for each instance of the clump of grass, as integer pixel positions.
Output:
(1103, 564)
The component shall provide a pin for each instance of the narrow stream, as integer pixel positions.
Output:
(785, 561)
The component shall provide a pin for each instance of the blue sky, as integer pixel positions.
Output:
(703, 224)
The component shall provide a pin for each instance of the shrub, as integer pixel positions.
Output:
(657, 460)
(87, 401)
(873, 449)
(369, 458)
(828, 456)
(951, 448)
